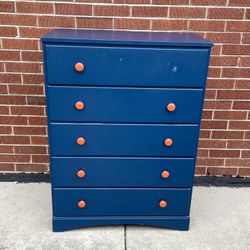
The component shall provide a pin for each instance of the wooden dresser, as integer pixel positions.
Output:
(124, 112)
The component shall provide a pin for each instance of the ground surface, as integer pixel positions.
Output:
(220, 220)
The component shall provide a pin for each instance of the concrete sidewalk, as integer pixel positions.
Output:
(220, 219)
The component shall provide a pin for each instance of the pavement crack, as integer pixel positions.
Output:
(125, 237)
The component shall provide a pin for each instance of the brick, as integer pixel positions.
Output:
(223, 61)
(20, 44)
(216, 49)
(4, 110)
(187, 12)
(210, 94)
(170, 2)
(33, 32)
(13, 120)
(133, 24)
(32, 167)
(205, 134)
(56, 21)
(238, 162)
(212, 144)
(242, 84)
(209, 162)
(217, 104)
(239, 144)
(6, 149)
(214, 124)
(3, 89)
(214, 72)
(207, 25)
(208, 2)
(132, 1)
(239, 125)
(34, 56)
(244, 62)
(102, 23)
(200, 171)
(233, 94)
(29, 130)
(33, 7)
(245, 154)
(247, 135)
(224, 153)
(9, 55)
(5, 130)
(27, 110)
(30, 149)
(18, 100)
(8, 31)
(23, 67)
(40, 158)
(207, 114)
(26, 89)
(37, 120)
(244, 3)
(241, 105)
(224, 37)
(7, 6)
(33, 79)
(244, 171)
(102, 10)
(14, 139)
(245, 38)
(236, 72)
(10, 78)
(225, 13)
(230, 115)
(7, 167)
(150, 11)
(222, 171)
(220, 84)
(39, 140)
(227, 134)
(238, 26)
(14, 158)
(73, 9)
(169, 24)
(93, 1)
(10, 19)
(236, 50)
(36, 100)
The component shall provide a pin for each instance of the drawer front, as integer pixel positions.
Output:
(127, 66)
(121, 172)
(125, 105)
(102, 202)
(123, 139)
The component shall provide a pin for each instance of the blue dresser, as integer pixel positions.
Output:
(124, 112)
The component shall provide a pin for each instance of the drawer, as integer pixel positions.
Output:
(121, 172)
(125, 104)
(126, 66)
(123, 139)
(118, 201)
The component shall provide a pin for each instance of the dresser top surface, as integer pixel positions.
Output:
(125, 38)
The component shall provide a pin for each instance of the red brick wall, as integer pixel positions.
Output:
(224, 147)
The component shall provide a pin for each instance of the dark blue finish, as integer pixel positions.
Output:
(147, 105)
(126, 66)
(121, 201)
(128, 172)
(131, 76)
(123, 139)
(125, 38)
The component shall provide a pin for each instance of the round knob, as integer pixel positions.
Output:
(163, 204)
(168, 142)
(171, 107)
(79, 67)
(80, 141)
(81, 204)
(165, 174)
(79, 105)
(81, 173)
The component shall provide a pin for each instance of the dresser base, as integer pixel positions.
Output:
(172, 222)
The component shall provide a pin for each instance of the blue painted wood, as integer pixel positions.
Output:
(128, 172)
(172, 222)
(125, 38)
(117, 66)
(121, 201)
(123, 139)
(147, 105)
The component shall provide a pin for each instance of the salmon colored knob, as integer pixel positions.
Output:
(163, 204)
(171, 107)
(80, 141)
(79, 105)
(81, 204)
(165, 174)
(168, 142)
(81, 173)
(79, 67)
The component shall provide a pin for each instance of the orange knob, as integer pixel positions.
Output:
(81, 173)
(79, 105)
(165, 174)
(79, 67)
(171, 107)
(80, 141)
(163, 204)
(81, 204)
(168, 142)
